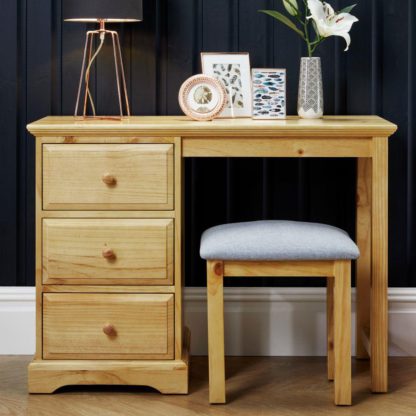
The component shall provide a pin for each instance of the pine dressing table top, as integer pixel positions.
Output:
(330, 126)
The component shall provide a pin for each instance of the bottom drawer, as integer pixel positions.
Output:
(108, 326)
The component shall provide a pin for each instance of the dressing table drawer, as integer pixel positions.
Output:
(108, 176)
(108, 326)
(108, 251)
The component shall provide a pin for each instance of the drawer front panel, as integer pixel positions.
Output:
(108, 251)
(108, 326)
(108, 176)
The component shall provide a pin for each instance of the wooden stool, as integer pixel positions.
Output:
(281, 248)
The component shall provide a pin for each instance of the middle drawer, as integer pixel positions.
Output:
(108, 251)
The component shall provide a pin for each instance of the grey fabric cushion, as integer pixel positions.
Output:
(277, 240)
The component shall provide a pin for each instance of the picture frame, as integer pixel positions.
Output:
(269, 93)
(233, 71)
(202, 97)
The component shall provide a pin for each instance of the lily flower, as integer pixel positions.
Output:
(329, 23)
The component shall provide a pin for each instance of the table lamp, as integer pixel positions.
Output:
(102, 12)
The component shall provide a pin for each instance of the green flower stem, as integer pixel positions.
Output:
(306, 31)
(308, 43)
(316, 44)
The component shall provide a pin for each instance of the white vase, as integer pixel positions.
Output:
(310, 93)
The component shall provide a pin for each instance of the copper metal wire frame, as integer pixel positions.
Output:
(85, 74)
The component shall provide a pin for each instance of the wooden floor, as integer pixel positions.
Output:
(256, 386)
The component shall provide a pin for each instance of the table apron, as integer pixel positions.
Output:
(276, 147)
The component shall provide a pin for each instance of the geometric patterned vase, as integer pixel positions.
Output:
(310, 94)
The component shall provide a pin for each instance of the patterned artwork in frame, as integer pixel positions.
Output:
(233, 71)
(269, 93)
(230, 76)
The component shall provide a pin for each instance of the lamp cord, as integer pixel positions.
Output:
(87, 72)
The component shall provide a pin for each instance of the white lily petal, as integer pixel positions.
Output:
(323, 29)
(328, 10)
(348, 17)
(347, 38)
(344, 21)
(317, 10)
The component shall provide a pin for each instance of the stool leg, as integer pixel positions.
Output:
(216, 357)
(330, 326)
(342, 332)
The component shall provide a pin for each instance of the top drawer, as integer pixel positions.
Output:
(108, 176)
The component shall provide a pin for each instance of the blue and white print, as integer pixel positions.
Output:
(269, 93)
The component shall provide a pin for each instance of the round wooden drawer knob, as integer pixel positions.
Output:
(109, 330)
(109, 179)
(108, 253)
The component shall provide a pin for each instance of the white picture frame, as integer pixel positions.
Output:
(269, 93)
(233, 71)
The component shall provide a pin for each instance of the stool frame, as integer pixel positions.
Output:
(338, 274)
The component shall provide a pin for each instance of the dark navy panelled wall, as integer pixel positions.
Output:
(41, 57)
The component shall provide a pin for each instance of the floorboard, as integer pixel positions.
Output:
(260, 386)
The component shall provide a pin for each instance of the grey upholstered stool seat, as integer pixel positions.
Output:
(277, 241)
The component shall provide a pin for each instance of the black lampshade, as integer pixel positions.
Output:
(110, 10)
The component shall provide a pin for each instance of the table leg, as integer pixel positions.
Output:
(363, 263)
(216, 359)
(379, 263)
(330, 326)
(342, 332)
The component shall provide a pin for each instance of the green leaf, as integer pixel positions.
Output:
(347, 9)
(283, 19)
(291, 7)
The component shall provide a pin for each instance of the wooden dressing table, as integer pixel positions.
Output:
(109, 238)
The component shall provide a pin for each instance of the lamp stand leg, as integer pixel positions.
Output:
(123, 77)
(116, 65)
(87, 61)
(87, 77)
(81, 78)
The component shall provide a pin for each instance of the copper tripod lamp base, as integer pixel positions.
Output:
(84, 96)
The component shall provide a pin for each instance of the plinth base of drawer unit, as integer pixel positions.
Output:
(166, 376)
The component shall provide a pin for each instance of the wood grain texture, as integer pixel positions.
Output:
(106, 289)
(330, 327)
(215, 303)
(108, 214)
(73, 176)
(345, 126)
(104, 139)
(256, 146)
(297, 132)
(342, 332)
(379, 267)
(142, 251)
(278, 268)
(73, 326)
(363, 263)
(179, 246)
(38, 253)
(167, 376)
(338, 274)
(253, 385)
(102, 260)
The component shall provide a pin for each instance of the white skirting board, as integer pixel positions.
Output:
(258, 321)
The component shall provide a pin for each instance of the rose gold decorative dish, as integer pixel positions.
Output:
(202, 97)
